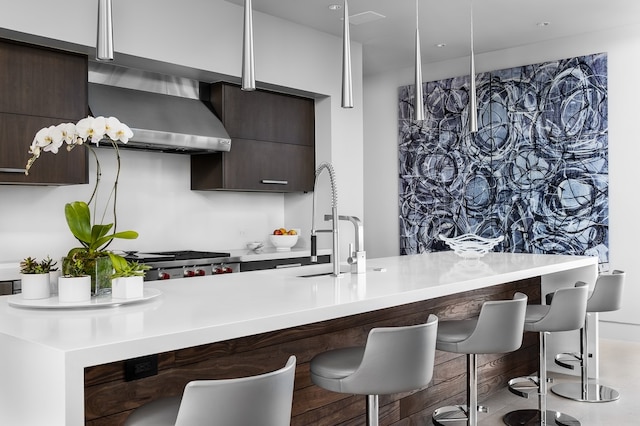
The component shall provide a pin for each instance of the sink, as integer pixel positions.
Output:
(315, 275)
(322, 274)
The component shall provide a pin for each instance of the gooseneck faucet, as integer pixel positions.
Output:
(334, 215)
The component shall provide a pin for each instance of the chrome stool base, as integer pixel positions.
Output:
(593, 392)
(453, 415)
(532, 418)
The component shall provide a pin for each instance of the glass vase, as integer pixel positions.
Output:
(99, 269)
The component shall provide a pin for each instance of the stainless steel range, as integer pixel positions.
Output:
(185, 263)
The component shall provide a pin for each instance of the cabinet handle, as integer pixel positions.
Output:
(275, 182)
(10, 170)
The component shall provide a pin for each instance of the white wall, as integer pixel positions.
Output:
(381, 158)
(154, 197)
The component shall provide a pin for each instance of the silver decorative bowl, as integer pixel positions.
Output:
(471, 246)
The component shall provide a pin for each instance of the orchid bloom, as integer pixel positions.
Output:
(49, 139)
(68, 132)
(91, 128)
(118, 131)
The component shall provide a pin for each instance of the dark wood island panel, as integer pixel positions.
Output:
(109, 398)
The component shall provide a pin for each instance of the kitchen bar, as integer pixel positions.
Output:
(56, 346)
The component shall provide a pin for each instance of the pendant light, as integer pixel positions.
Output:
(473, 102)
(418, 107)
(104, 44)
(248, 66)
(347, 90)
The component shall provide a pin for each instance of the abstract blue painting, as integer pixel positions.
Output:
(536, 171)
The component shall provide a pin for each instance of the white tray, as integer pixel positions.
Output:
(95, 302)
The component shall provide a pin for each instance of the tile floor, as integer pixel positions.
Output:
(619, 369)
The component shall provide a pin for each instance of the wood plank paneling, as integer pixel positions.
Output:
(108, 398)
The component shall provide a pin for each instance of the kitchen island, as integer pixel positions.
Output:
(49, 354)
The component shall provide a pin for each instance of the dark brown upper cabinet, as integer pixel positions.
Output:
(40, 87)
(272, 143)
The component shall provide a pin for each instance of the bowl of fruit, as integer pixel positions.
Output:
(283, 239)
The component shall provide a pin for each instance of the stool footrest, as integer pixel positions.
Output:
(568, 360)
(524, 386)
(453, 415)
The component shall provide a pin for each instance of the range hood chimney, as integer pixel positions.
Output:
(164, 113)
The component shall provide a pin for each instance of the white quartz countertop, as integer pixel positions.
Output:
(46, 351)
(200, 310)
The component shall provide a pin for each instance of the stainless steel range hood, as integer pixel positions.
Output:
(159, 121)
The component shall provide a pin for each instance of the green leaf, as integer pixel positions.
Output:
(119, 262)
(79, 220)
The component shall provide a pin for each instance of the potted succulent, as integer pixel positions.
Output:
(127, 278)
(74, 285)
(35, 278)
(94, 237)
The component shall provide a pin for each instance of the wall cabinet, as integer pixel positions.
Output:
(272, 143)
(40, 87)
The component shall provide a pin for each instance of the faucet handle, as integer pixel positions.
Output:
(352, 259)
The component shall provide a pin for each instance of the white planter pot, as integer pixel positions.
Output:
(74, 289)
(35, 286)
(127, 287)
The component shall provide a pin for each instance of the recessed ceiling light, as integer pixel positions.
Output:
(335, 7)
(543, 24)
(441, 45)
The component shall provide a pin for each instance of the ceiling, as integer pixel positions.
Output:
(388, 43)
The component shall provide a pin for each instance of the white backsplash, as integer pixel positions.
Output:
(154, 199)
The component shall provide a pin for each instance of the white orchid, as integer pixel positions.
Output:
(68, 132)
(92, 236)
(92, 128)
(89, 129)
(118, 131)
(49, 139)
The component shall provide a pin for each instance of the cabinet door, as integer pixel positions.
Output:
(40, 87)
(256, 166)
(16, 134)
(267, 116)
(272, 142)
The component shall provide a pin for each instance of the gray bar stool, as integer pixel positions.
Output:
(394, 359)
(566, 312)
(498, 329)
(263, 400)
(606, 297)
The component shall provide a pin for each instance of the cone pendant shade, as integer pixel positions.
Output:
(248, 62)
(473, 102)
(418, 108)
(347, 90)
(104, 43)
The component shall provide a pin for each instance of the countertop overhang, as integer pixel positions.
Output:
(207, 309)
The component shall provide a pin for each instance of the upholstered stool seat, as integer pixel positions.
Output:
(263, 400)
(606, 297)
(498, 329)
(394, 359)
(566, 312)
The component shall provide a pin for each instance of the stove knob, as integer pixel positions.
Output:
(189, 273)
(227, 270)
(200, 273)
(163, 276)
(218, 270)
